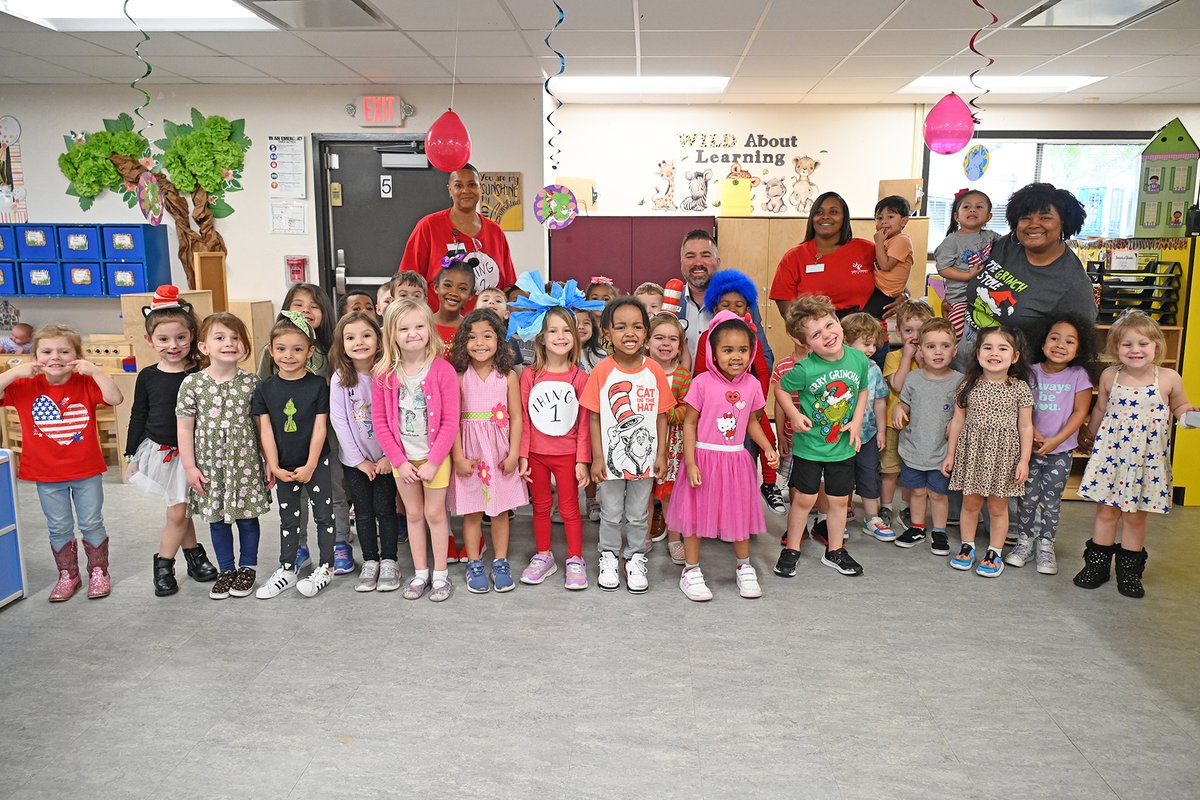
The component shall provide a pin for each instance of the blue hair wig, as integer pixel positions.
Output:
(726, 281)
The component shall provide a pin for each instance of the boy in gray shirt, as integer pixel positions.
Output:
(923, 415)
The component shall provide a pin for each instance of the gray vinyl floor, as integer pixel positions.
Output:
(914, 681)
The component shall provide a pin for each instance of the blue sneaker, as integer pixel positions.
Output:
(502, 575)
(965, 557)
(991, 565)
(343, 558)
(302, 558)
(477, 579)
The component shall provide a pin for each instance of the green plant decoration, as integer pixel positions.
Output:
(202, 161)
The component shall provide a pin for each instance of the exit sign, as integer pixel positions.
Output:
(383, 110)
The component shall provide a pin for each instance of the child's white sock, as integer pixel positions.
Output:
(441, 576)
(423, 574)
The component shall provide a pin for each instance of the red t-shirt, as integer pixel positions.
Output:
(846, 276)
(435, 236)
(58, 425)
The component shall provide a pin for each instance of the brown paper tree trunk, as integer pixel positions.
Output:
(204, 240)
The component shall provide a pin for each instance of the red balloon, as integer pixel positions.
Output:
(949, 125)
(447, 144)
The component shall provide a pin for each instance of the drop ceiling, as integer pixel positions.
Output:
(775, 51)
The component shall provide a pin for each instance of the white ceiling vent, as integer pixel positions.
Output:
(309, 15)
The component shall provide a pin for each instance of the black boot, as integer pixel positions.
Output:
(1097, 565)
(199, 568)
(164, 576)
(1129, 572)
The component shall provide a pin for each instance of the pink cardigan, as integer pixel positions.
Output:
(442, 400)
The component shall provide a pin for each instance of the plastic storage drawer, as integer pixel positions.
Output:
(125, 277)
(8, 279)
(124, 243)
(36, 242)
(41, 278)
(79, 243)
(83, 279)
(8, 244)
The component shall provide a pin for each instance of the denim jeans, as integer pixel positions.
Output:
(87, 495)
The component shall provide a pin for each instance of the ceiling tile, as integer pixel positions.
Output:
(1132, 85)
(692, 43)
(1032, 42)
(844, 98)
(269, 43)
(221, 66)
(1172, 18)
(234, 79)
(161, 43)
(859, 85)
(579, 43)
(326, 81)
(1088, 97)
(1130, 40)
(801, 43)
(761, 99)
(285, 68)
(360, 43)
(126, 67)
(84, 80)
(883, 66)
(1005, 65)
(1169, 98)
(935, 14)
(494, 67)
(472, 43)
(794, 16)
(808, 66)
(589, 66)
(49, 43)
(700, 15)
(27, 68)
(578, 15)
(384, 68)
(689, 66)
(1182, 66)
(477, 15)
(770, 85)
(910, 43)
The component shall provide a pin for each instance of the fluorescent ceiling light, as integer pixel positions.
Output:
(639, 84)
(1000, 84)
(152, 15)
(1091, 13)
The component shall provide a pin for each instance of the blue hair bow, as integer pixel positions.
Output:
(526, 320)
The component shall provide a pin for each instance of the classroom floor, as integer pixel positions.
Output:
(914, 681)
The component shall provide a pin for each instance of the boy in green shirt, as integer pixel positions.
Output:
(832, 386)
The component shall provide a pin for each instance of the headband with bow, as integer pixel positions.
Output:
(526, 321)
(297, 319)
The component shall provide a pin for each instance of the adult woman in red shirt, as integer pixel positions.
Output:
(460, 229)
(830, 261)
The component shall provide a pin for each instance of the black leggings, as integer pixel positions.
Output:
(292, 497)
(374, 512)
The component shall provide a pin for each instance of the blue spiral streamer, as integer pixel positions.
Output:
(562, 67)
(137, 51)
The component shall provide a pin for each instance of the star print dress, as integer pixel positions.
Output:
(484, 431)
(1129, 468)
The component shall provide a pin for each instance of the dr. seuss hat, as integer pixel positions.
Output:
(622, 406)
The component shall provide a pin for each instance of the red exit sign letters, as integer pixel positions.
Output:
(382, 110)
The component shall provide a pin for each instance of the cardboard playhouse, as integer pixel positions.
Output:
(1167, 183)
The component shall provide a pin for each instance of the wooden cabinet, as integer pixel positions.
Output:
(630, 250)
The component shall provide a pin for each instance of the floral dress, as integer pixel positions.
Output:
(484, 431)
(225, 446)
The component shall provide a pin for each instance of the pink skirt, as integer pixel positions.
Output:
(725, 505)
(487, 489)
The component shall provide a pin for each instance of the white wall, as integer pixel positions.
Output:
(503, 122)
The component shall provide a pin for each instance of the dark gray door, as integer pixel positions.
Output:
(362, 240)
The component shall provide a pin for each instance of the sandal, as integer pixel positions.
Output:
(415, 588)
(441, 591)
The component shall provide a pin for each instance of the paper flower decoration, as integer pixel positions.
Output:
(526, 320)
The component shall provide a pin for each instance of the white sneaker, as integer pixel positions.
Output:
(609, 580)
(691, 583)
(635, 574)
(368, 577)
(315, 581)
(280, 581)
(389, 576)
(747, 582)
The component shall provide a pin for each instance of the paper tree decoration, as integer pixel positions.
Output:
(1167, 183)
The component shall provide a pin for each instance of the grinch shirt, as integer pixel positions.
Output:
(628, 403)
(828, 393)
(1012, 292)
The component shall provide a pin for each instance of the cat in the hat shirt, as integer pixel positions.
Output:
(58, 424)
(628, 404)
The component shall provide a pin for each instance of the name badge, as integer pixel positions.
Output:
(814, 268)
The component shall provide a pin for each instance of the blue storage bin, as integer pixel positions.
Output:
(79, 243)
(41, 277)
(83, 279)
(125, 277)
(8, 279)
(8, 245)
(36, 242)
(124, 243)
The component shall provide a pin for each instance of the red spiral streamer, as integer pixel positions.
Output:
(975, 50)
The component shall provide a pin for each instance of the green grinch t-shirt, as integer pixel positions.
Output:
(828, 393)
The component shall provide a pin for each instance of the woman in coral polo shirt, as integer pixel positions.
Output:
(830, 261)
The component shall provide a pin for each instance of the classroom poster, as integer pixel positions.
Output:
(500, 199)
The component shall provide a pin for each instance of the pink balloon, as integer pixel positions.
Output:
(447, 144)
(949, 125)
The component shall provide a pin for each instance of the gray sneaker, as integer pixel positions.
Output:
(368, 576)
(1021, 554)
(885, 513)
(389, 576)
(1047, 564)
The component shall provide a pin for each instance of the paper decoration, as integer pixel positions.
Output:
(500, 199)
(555, 206)
(149, 198)
(976, 162)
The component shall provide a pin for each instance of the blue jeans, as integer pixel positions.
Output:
(87, 495)
(222, 542)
